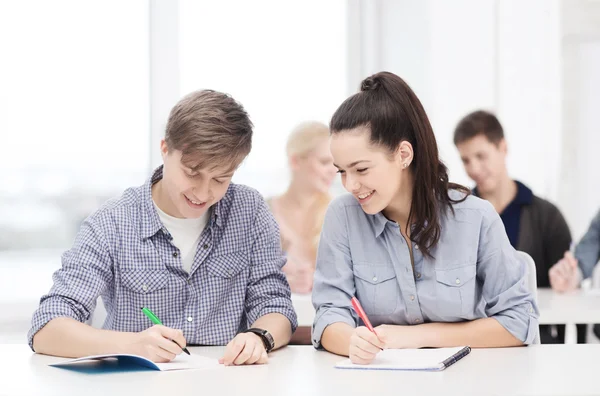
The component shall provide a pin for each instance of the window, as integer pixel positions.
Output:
(75, 114)
(284, 61)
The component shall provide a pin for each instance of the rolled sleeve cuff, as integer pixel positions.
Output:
(326, 318)
(48, 310)
(285, 310)
(522, 325)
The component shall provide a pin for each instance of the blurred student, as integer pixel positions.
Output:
(300, 210)
(566, 275)
(431, 264)
(533, 224)
(200, 252)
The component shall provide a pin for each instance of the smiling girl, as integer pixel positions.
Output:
(431, 265)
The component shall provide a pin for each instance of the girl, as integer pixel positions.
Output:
(431, 265)
(301, 209)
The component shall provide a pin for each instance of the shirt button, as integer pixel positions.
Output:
(418, 275)
(205, 246)
(412, 298)
(189, 319)
(175, 254)
(145, 287)
(417, 247)
(457, 281)
(374, 279)
(189, 281)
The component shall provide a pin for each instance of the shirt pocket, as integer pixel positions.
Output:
(146, 288)
(227, 266)
(376, 288)
(456, 291)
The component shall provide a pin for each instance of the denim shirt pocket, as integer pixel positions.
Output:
(455, 290)
(376, 288)
(146, 288)
(227, 266)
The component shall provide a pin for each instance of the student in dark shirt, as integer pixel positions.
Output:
(533, 225)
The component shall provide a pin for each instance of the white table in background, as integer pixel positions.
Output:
(536, 370)
(579, 306)
(304, 309)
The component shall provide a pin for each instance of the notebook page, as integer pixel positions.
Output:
(405, 359)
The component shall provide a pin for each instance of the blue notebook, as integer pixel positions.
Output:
(411, 359)
(181, 362)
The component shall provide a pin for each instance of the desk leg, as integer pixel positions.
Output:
(570, 333)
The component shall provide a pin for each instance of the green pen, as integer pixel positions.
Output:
(157, 321)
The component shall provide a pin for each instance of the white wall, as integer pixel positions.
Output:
(507, 56)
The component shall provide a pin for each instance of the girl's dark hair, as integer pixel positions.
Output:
(393, 113)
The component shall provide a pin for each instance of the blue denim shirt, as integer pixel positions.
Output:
(124, 254)
(475, 272)
(587, 250)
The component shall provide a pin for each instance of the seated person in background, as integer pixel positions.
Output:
(300, 210)
(201, 253)
(569, 271)
(533, 224)
(431, 264)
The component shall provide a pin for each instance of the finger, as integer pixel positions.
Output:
(245, 354)
(358, 360)
(562, 269)
(361, 353)
(370, 337)
(173, 334)
(232, 351)
(168, 345)
(256, 355)
(366, 346)
(162, 355)
(264, 358)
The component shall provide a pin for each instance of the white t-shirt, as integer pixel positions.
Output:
(186, 234)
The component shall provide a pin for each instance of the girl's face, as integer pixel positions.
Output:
(371, 173)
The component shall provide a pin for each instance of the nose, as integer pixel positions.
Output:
(473, 170)
(351, 184)
(201, 191)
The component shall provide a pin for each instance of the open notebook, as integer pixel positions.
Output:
(411, 359)
(181, 362)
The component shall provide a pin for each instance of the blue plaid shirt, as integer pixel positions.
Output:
(124, 254)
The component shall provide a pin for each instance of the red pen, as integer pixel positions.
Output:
(361, 313)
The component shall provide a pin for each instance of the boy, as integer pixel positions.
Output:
(203, 254)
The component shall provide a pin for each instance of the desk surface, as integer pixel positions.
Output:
(579, 306)
(536, 370)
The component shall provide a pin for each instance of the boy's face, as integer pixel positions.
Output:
(484, 162)
(189, 193)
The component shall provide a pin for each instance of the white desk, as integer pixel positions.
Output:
(537, 370)
(304, 309)
(579, 306)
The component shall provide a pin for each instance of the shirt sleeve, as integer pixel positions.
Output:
(268, 290)
(85, 273)
(556, 241)
(504, 282)
(587, 251)
(334, 278)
